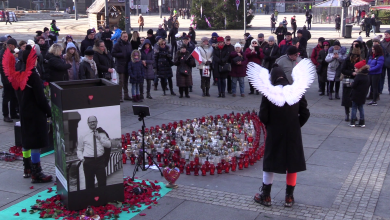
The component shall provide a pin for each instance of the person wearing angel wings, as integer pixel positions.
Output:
(283, 111)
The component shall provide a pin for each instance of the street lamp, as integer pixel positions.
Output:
(345, 4)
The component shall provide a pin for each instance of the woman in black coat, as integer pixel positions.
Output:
(359, 91)
(347, 69)
(55, 66)
(337, 21)
(271, 53)
(147, 57)
(273, 22)
(122, 52)
(220, 57)
(88, 68)
(34, 111)
(103, 59)
(280, 32)
(164, 63)
(192, 35)
(322, 68)
(184, 62)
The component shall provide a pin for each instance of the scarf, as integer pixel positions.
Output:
(147, 50)
(220, 47)
(387, 39)
(93, 65)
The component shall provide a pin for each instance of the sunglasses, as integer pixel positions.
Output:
(254, 43)
(163, 44)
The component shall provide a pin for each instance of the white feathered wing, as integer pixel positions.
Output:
(302, 74)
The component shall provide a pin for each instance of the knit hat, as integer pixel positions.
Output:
(204, 39)
(52, 21)
(150, 31)
(30, 42)
(360, 39)
(12, 42)
(271, 38)
(39, 33)
(299, 31)
(214, 34)
(376, 39)
(260, 35)
(325, 43)
(292, 50)
(68, 36)
(247, 34)
(90, 31)
(387, 31)
(237, 45)
(254, 40)
(336, 43)
(280, 23)
(70, 45)
(228, 38)
(321, 39)
(220, 39)
(288, 33)
(185, 38)
(89, 52)
(360, 64)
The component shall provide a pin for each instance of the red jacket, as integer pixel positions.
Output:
(314, 54)
(255, 57)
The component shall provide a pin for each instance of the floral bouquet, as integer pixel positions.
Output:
(46, 90)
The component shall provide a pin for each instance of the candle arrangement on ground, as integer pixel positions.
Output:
(200, 146)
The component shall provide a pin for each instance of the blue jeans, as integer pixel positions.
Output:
(355, 107)
(383, 77)
(234, 84)
(373, 29)
(221, 85)
(134, 89)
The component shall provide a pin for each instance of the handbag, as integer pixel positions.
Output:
(225, 68)
(206, 71)
(184, 70)
(347, 82)
(237, 58)
(107, 76)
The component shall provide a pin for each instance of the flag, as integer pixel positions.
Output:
(196, 55)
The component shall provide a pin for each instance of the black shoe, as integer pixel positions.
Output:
(289, 196)
(173, 93)
(337, 96)
(257, 93)
(322, 94)
(230, 92)
(187, 96)
(219, 95)
(251, 93)
(37, 176)
(265, 197)
(207, 92)
(346, 117)
(330, 96)
(223, 95)
(7, 119)
(372, 103)
(361, 123)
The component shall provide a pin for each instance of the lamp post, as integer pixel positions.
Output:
(127, 16)
(159, 8)
(107, 12)
(345, 5)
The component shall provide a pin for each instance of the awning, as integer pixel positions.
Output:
(384, 7)
(337, 3)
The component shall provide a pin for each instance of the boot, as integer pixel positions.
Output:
(148, 96)
(219, 95)
(155, 86)
(186, 92)
(207, 92)
(139, 98)
(361, 123)
(141, 92)
(347, 117)
(257, 93)
(330, 96)
(127, 97)
(181, 92)
(265, 197)
(204, 93)
(37, 176)
(190, 88)
(352, 124)
(172, 92)
(289, 196)
(27, 167)
(135, 98)
(336, 95)
(223, 95)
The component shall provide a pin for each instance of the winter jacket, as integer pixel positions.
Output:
(184, 60)
(135, 44)
(107, 43)
(262, 44)
(271, 53)
(85, 44)
(141, 21)
(256, 56)
(44, 49)
(273, 22)
(86, 71)
(334, 66)
(306, 34)
(360, 86)
(230, 48)
(322, 68)
(122, 52)
(192, 36)
(190, 47)
(283, 146)
(284, 45)
(373, 21)
(314, 55)
(287, 65)
(206, 52)
(220, 57)
(149, 59)
(293, 23)
(70, 70)
(347, 69)
(103, 61)
(238, 70)
(386, 46)
(280, 32)
(152, 39)
(34, 111)
(367, 22)
(56, 68)
(171, 36)
(136, 70)
(162, 33)
(163, 61)
(337, 21)
(247, 42)
(116, 36)
(376, 65)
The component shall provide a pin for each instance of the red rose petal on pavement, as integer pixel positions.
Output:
(31, 187)
(142, 214)
(149, 207)
(24, 210)
(16, 214)
(155, 181)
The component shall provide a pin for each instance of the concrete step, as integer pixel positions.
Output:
(42, 16)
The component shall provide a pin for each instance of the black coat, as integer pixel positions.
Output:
(162, 33)
(4, 79)
(103, 62)
(280, 32)
(271, 53)
(306, 34)
(171, 36)
(85, 44)
(322, 68)
(122, 52)
(367, 22)
(192, 36)
(86, 71)
(338, 23)
(34, 111)
(283, 146)
(360, 86)
(185, 61)
(347, 68)
(163, 61)
(107, 43)
(247, 43)
(135, 44)
(56, 68)
(220, 57)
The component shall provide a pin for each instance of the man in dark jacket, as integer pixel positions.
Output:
(248, 39)
(161, 32)
(172, 39)
(308, 20)
(262, 43)
(9, 95)
(89, 41)
(103, 59)
(122, 52)
(189, 45)
(302, 40)
(106, 37)
(230, 49)
(220, 58)
(150, 37)
(367, 25)
(280, 32)
(285, 44)
(305, 33)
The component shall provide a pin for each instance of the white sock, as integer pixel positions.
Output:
(268, 177)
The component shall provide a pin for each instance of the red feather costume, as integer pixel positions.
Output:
(18, 79)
